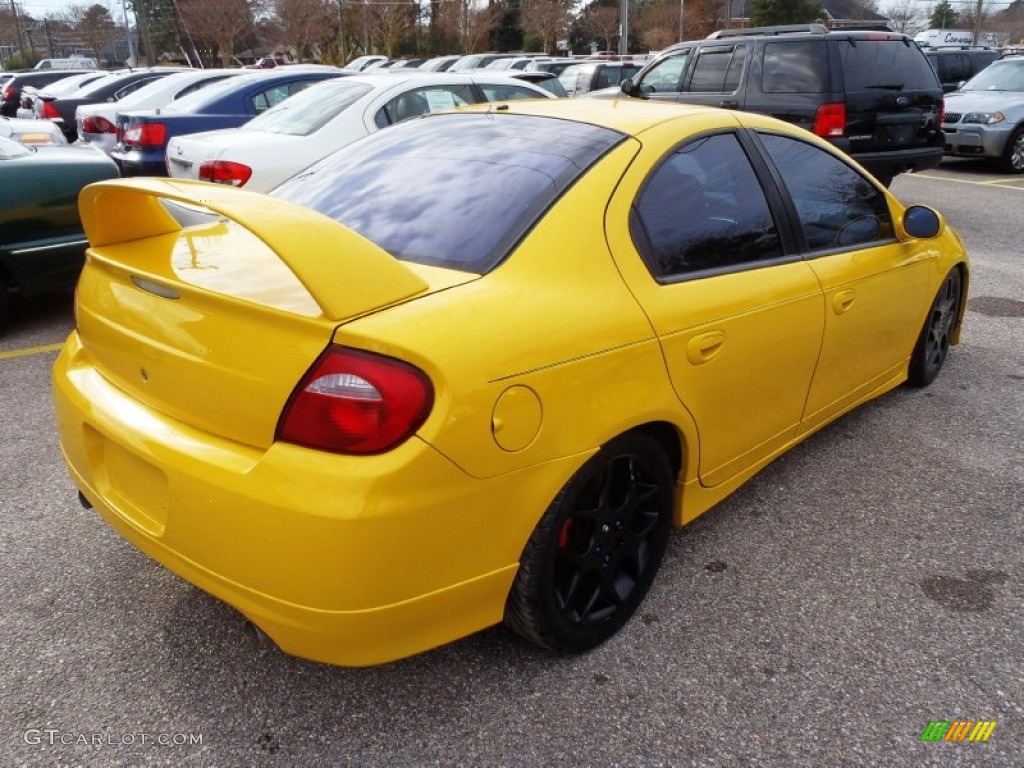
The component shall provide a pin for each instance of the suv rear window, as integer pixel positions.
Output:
(797, 66)
(887, 65)
(482, 181)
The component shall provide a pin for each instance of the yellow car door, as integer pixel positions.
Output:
(739, 317)
(874, 285)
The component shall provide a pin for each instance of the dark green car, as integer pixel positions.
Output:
(41, 239)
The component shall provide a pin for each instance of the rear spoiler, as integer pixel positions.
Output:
(345, 273)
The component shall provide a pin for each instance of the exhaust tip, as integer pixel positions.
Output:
(84, 501)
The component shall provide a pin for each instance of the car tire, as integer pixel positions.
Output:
(594, 554)
(1012, 160)
(933, 343)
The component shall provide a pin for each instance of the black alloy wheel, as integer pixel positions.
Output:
(596, 550)
(933, 343)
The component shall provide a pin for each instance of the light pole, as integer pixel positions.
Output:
(682, 10)
(624, 30)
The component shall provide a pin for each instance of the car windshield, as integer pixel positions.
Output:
(310, 109)
(482, 181)
(10, 148)
(570, 76)
(999, 76)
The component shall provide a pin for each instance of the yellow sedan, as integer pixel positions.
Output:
(473, 368)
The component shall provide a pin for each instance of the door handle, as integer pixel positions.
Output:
(700, 349)
(728, 104)
(842, 301)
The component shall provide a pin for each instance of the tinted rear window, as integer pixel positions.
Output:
(885, 65)
(481, 182)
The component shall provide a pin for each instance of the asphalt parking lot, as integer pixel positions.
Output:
(866, 584)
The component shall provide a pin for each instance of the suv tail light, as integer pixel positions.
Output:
(146, 135)
(830, 120)
(225, 172)
(356, 402)
(97, 124)
(9, 93)
(942, 113)
(50, 112)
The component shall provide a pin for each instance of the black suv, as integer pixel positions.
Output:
(10, 95)
(957, 65)
(870, 93)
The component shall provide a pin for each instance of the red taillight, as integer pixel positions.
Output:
(225, 172)
(356, 402)
(50, 112)
(9, 93)
(942, 112)
(146, 135)
(830, 120)
(98, 125)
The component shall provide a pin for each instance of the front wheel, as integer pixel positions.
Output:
(1013, 157)
(596, 550)
(933, 343)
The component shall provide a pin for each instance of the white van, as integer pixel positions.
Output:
(75, 62)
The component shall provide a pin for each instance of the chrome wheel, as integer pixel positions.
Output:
(1013, 159)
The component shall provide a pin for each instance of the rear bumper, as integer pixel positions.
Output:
(140, 163)
(338, 559)
(888, 164)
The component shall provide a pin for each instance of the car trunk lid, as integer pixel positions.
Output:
(208, 304)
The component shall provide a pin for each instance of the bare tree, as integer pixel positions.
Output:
(221, 21)
(468, 21)
(392, 22)
(546, 20)
(657, 24)
(302, 24)
(601, 23)
(906, 16)
(93, 25)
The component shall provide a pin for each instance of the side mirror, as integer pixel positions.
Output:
(627, 87)
(921, 222)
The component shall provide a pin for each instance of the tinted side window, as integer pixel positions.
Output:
(795, 67)
(703, 208)
(885, 65)
(837, 206)
(710, 70)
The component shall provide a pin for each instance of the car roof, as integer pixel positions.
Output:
(629, 116)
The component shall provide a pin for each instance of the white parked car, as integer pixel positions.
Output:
(97, 122)
(29, 107)
(307, 127)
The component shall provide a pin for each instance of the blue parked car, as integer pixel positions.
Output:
(142, 135)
